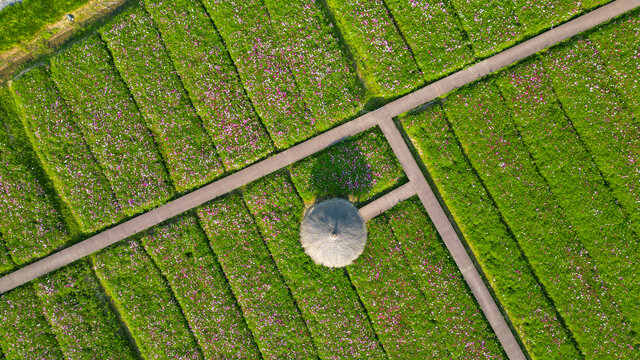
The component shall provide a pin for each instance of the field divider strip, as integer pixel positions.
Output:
(452, 241)
(287, 157)
(386, 202)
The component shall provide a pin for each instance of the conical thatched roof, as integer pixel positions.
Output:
(333, 233)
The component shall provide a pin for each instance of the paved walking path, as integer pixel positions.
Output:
(382, 117)
(387, 201)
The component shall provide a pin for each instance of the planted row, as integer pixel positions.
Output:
(531, 312)
(30, 224)
(79, 314)
(145, 302)
(66, 158)
(336, 319)
(111, 125)
(481, 122)
(323, 72)
(210, 78)
(269, 309)
(359, 168)
(266, 75)
(383, 57)
(143, 63)
(180, 250)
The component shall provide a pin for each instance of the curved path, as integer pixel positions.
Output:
(381, 117)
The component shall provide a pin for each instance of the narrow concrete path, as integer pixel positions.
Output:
(387, 201)
(451, 240)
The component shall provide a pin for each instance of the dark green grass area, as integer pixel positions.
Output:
(21, 21)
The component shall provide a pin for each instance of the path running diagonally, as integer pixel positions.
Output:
(381, 117)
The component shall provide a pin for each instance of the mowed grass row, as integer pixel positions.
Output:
(68, 161)
(522, 296)
(384, 59)
(112, 125)
(323, 72)
(145, 302)
(211, 81)
(574, 178)
(330, 306)
(180, 250)
(601, 118)
(268, 307)
(31, 226)
(142, 61)
(562, 263)
(260, 58)
(462, 326)
(79, 314)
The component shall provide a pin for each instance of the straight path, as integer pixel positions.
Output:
(387, 201)
(383, 117)
(452, 241)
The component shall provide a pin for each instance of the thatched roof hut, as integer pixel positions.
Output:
(333, 233)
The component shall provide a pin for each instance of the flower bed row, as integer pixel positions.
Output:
(66, 158)
(112, 126)
(180, 250)
(269, 309)
(574, 178)
(359, 168)
(79, 314)
(383, 57)
(26, 334)
(30, 224)
(210, 78)
(463, 329)
(324, 74)
(336, 319)
(262, 64)
(561, 262)
(145, 302)
(531, 312)
(142, 61)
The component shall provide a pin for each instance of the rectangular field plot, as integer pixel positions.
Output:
(76, 175)
(335, 317)
(142, 61)
(79, 314)
(30, 224)
(481, 122)
(180, 250)
(210, 78)
(359, 168)
(531, 312)
(112, 125)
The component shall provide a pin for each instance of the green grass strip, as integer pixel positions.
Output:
(617, 44)
(323, 71)
(210, 78)
(574, 178)
(359, 168)
(140, 57)
(531, 312)
(145, 302)
(434, 33)
(30, 224)
(24, 331)
(562, 263)
(397, 309)
(601, 118)
(180, 250)
(457, 315)
(327, 300)
(6, 263)
(80, 316)
(112, 125)
(270, 311)
(67, 159)
(384, 59)
(262, 64)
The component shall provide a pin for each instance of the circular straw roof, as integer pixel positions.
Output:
(333, 233)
